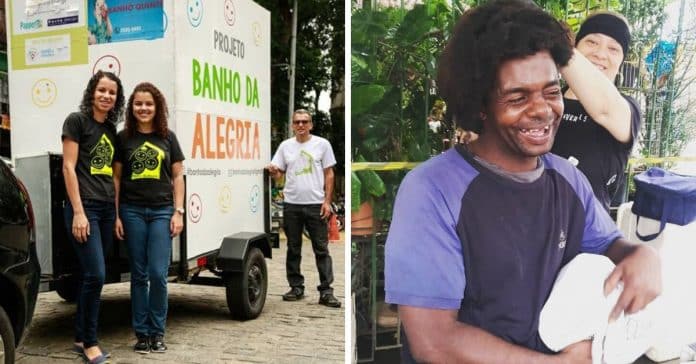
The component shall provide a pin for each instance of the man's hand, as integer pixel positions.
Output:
(641, 276)
(325, 211)
(274, 171)
(580, 352)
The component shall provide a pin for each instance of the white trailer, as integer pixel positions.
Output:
(211, 59)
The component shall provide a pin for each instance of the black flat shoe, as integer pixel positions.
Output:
(80, 350)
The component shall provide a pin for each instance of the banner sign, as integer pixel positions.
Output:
(124, 20)
(47, 33)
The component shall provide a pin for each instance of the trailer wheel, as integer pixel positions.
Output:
(246, 290)
(7, 339)
(66, 288)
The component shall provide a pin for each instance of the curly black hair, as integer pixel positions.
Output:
(483, 39)
(159, 122)
(87, 104)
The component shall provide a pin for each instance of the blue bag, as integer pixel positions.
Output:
(664, 196)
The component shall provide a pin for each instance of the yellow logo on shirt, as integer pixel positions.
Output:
(146, 162)
(101, 157)
(310, 161)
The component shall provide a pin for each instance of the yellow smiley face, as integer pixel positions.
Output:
(225, 199)
(44, 92)
(256, 33)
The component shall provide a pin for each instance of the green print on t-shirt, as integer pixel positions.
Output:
(101, 156)
(309, 159)
(146, 161)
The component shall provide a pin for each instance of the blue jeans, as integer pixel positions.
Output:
(149, 248)
(101, 216)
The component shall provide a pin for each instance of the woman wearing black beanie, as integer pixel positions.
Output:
(599, 124)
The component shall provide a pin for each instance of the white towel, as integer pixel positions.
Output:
(578, 310)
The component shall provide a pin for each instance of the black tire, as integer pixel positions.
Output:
(66, 288)
(246, 290)
(7, 355)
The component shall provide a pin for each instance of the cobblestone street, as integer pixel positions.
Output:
(199, 328)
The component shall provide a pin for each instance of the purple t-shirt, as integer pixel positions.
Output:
(465, 238)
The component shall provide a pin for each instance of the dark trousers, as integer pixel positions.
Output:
(101, 216)
(295, 219)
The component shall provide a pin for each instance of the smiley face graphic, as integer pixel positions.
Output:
(195, 208)
(230, 13)
(225, 199)
(107, 63)
(256, 33)
(254, 198)
(194, 12)
(44, 92)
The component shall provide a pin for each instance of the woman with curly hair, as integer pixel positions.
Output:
(89, 149)
(150, 200)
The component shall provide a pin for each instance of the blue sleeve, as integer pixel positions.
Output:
(600, 229)
(424, 266)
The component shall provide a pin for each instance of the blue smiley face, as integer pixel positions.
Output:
(254, 198)
(194, 11)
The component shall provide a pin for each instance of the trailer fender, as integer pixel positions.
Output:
(234, 248)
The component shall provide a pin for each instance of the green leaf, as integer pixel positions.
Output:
(370, 180)
(364, 97)
(355, 187)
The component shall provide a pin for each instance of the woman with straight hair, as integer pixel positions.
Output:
(600, 125)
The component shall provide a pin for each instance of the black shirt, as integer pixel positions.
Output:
(146, 177)
(97, 150)
(600, 156)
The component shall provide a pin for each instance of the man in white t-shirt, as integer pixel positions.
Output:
(307, 162)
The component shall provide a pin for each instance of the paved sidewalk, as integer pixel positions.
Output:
(199, 328)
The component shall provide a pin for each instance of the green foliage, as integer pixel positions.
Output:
(393, 67)
(320, 59)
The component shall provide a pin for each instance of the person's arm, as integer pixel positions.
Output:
(598, 95)
(328, 192)
(80, 224)
(118, 224)
(177, 222)
(277, 166)
(638, 269)
(435, 336)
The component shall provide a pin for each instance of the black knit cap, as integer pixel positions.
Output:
(609, 25)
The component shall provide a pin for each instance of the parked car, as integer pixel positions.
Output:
(19, 265)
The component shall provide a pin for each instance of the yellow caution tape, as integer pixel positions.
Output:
(656, 160)
(395, 166)
(382, 166)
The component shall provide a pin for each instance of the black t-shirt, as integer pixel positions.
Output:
(97, 151)
(600, 156)
(146, 177)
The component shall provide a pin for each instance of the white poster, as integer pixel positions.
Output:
(45, 50)
(223, 116)
(32, 16)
